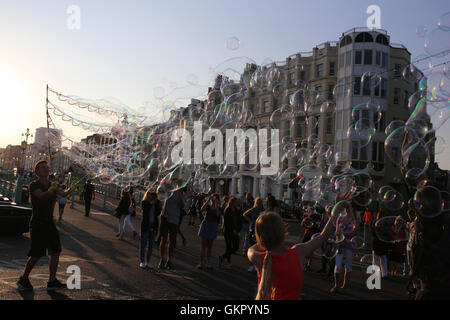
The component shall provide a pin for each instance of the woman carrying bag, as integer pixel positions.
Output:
(124, 211)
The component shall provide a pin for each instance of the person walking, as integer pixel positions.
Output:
(169, 226)
(208, 230)
(89, 195)
(151, 209)
(244, 234)
(43, 233)
(123, 212)
(232, 226)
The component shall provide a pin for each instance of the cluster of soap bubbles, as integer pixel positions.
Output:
(137, 146)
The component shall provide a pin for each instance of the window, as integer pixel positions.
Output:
(301, 100)
(348, 86)
(364, 37)
(348, 58)
(358, 57)
(384, 60)
(252, 108)
(382, 40)
(320, 70)
(291, 78)
(347, 40)
(383, 88)
(356, 86)
(355, 146)
(331, 68)
(302, 75)
(341, 61)
(367, 57)
(397, 70)
(378, 156)
(378, 58)
(299, 127)
(330, 92)
(329, 124)
(377, 89)
(366, 87)
(265, 108)
(365, 114)
(396, 95)
(238, 185)
(359, 153)
(275, 104)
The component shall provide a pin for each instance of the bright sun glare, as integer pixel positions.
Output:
(12, 100)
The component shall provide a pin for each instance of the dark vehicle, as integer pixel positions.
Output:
(14, 219)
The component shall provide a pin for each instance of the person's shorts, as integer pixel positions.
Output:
(348, 253)
(208, 230)
(44, 238)
(168, 229)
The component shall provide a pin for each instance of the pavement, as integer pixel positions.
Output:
(109, 267)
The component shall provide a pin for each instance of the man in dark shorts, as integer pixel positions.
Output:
(44, 235)
(89, 195)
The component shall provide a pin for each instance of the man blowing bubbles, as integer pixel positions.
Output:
(43, 232)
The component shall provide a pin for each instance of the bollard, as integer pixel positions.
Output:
(18, 191)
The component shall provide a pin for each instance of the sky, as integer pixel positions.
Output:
(126, 49)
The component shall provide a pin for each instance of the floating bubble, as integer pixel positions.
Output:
(363, 198)
(444, 22)
(285, 113)
(346, 223)
(357, 242)
(436, 43)
(232, 43)
(363, 131)
(421, 31)
(428, 202)
(398, 141)
(392, 229)
(391, 199)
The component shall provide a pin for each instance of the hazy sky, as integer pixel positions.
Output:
(124, 49)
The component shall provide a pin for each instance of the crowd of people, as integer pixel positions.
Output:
(257, 229)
